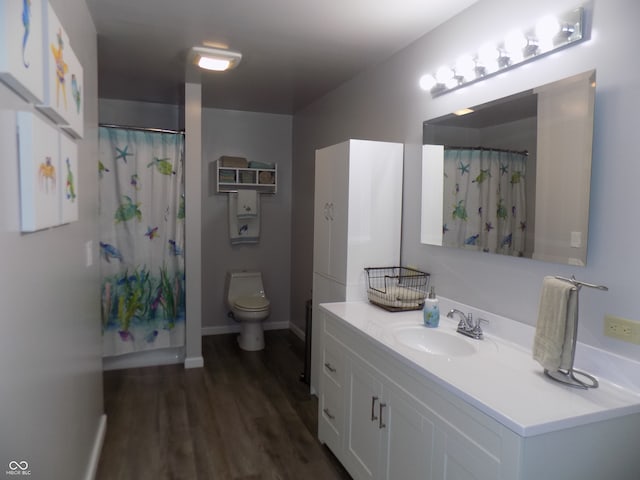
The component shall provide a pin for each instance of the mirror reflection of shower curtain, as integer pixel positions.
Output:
(141, 216)
(484, 200)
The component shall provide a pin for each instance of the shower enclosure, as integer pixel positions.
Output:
(141, 217)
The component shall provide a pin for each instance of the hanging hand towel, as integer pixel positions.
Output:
(242, 230)
(247, 203)
(557, 317)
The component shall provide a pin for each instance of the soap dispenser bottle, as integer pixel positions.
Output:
(431, 311)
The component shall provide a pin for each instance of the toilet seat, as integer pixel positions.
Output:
(252, 303)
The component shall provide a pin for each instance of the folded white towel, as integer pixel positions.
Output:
(396, 297)
(247, 203)
(242, 230)
(557, 317)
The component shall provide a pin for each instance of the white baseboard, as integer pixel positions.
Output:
(220, 330)
(297, 331)
(194, 362)
(235, 328)
(146, 358)
(92, 468)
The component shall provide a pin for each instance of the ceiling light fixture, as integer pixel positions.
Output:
(216, 59)
(547, 36)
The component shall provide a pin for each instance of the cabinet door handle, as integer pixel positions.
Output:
(326, 211)
(373, 408)
(328, 414)
(331, 211)
(380, 423)
(330, 368)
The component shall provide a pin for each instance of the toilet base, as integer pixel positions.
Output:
(251, 336)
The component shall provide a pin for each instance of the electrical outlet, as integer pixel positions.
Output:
(622, 329)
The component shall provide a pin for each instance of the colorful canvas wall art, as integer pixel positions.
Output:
(74, 111)
(21, 47)
(40, 173)
(61, 67)
(68, 193)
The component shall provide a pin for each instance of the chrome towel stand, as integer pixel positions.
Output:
(568, 376)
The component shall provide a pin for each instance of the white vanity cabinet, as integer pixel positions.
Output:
(385, 432)
(331, 398)
(357, 222)
(388, 435)
(397, 415)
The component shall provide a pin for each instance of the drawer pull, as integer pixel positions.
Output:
(328, 414)
(373, 408)
(380, 424)
(330, 367)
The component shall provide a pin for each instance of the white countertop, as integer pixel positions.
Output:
(500, 379)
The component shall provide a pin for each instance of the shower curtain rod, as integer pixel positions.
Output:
(521, 152)
(141, 129)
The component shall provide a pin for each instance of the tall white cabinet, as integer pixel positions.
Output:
(357, 223)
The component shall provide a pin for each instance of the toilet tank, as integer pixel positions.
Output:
(244, 284)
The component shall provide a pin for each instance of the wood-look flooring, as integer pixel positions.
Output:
(245, 415)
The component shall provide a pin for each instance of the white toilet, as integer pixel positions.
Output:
(249, 307)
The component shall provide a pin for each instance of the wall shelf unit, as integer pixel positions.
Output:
(232, 179)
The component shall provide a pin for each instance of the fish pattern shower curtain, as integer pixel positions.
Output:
(484, 200)
(141, 194)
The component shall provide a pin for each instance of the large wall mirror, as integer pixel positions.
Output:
(512, 176)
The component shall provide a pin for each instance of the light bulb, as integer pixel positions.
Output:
(427, 82)
(488, 52)
(216, 64)
(452, 82)
(514, 43)
(547, 28)
(465, 67)
(488, 56)
(444, 74)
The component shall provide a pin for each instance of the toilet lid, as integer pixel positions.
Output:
(252, 303)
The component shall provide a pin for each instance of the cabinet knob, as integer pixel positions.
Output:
(373, 409)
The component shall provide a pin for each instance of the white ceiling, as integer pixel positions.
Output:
(294, 51)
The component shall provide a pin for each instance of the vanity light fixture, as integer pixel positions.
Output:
(549, 35)
(216, 59)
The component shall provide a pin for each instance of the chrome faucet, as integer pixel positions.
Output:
(466, 325)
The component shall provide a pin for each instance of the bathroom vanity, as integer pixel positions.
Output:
(399, 401)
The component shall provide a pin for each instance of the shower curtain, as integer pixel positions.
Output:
(484, 200)
(141, 210)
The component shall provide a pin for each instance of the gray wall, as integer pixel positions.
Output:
(261, 137)
(141, 114)
(50, 347)
(385, 103)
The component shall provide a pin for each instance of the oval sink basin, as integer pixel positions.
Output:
(434, 341)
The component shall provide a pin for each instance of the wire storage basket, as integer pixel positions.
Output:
(397, 289)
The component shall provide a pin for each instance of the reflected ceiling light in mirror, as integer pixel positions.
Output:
(463, 111)
(216, 59)
(550, 34)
